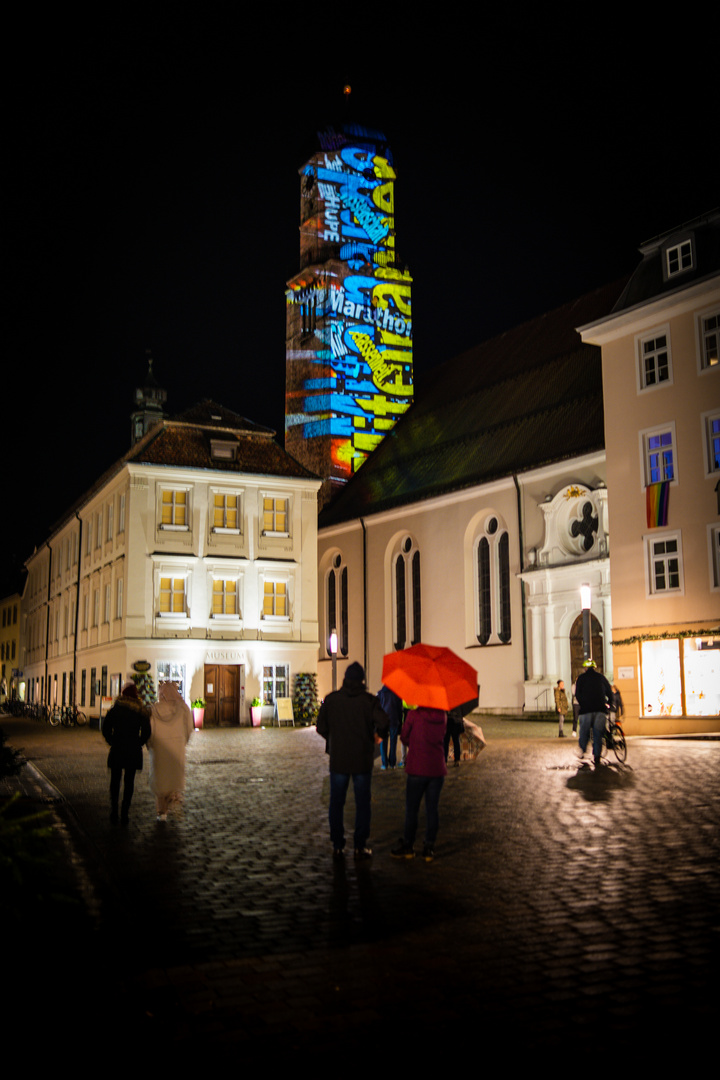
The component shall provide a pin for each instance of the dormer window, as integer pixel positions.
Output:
(223, 450)
(679, 258)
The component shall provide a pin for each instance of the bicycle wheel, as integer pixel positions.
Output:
(54, 717)
(80, 719)
(619, 744)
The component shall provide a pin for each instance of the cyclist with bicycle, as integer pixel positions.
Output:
(594, 694)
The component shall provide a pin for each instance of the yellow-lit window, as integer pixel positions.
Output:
(172, 596)
(174, 508)
(225, 598)
(275, 515)
(275, 599)
(225, 513)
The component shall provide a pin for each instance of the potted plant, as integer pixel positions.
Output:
(256, 711)
(198, 708)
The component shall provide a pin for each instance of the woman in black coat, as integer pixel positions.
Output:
(126, 729)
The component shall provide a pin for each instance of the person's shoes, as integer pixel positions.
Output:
(456, 764)
(597, 762)
(403, 851)
(162, 817)
(561, 734)
(428, 853)
(362, 853)
(383, 768)
(338, 853)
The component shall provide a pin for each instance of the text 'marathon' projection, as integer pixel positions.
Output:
(349, 348)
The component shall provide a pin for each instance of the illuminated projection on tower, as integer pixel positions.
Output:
(349, 319)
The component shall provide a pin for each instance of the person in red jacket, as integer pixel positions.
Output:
(424, 735)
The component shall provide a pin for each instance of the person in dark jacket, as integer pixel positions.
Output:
(424, 735)
(126, 729)
(393, 708)
(351, 721)
(594, 695)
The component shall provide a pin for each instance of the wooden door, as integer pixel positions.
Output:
(223, 693)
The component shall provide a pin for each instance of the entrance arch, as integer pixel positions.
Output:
(576, 646)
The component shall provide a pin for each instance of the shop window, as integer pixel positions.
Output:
(276, 682)
(681, 677)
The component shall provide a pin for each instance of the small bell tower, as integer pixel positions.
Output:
(149, 401)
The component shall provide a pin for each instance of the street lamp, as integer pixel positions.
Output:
(333, 653)
(585, 600)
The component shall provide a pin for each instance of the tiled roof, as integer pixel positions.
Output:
(530, 396)
(188, 445)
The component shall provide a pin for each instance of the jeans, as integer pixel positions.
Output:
(339, 783)
(596, 721)
(388, 755)
(430, 787)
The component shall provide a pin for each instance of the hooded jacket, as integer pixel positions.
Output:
(348, 720)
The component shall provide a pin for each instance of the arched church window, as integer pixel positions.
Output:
(407, 594)
(492, 583)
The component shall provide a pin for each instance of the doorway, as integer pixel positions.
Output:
(576, 646)
(224, 695)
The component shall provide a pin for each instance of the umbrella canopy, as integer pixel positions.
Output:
(430, 675)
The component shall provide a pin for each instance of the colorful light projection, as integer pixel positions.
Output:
(350, 374)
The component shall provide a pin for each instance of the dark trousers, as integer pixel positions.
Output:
(115, 780)
(417, 787)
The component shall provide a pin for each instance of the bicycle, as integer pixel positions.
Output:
(72, 717)
(614, 739)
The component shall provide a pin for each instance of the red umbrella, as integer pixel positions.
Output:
(430, 675)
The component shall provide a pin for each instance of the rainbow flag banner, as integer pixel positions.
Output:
(657, 498)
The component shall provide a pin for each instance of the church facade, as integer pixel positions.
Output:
(476, 521)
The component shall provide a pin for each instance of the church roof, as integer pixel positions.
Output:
(526, 398)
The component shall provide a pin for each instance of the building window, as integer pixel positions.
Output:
(226, 516)
(276, 683)
(119, 598)
(109, 522)
(665, 563)
(492, 584)
(121, 515)
(170, 671)
(711, 423)
(96, 608)
(275, 600)
(659, 455)
(679, 258)
(275, 516)
(106, 613)
(172, 596)
(98, 529)
(225, 598)
(223, 450)
(407, 594)
(654, 359)
(680, 677)
(174, 510)
(336, 605)
(709, 335)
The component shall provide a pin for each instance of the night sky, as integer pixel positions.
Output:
(152, 201)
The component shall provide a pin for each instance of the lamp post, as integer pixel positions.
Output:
(585, 599)
(333, 653)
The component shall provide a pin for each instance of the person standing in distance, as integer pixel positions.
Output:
(350, 721)
(594, 695)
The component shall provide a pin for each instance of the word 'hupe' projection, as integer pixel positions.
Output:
(352, 317)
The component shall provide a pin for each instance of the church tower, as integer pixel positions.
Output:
(349, 364)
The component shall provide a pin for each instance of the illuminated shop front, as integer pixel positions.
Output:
(681, 677)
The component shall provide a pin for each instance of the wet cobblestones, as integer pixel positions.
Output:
(562, 903)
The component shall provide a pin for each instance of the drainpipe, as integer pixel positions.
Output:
(365, 627)
(522, 568)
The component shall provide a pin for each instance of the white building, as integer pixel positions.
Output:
(192, 558)
(479, 517)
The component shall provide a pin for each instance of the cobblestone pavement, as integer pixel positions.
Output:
(566, 909)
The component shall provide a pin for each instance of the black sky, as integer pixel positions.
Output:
(152, 202)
